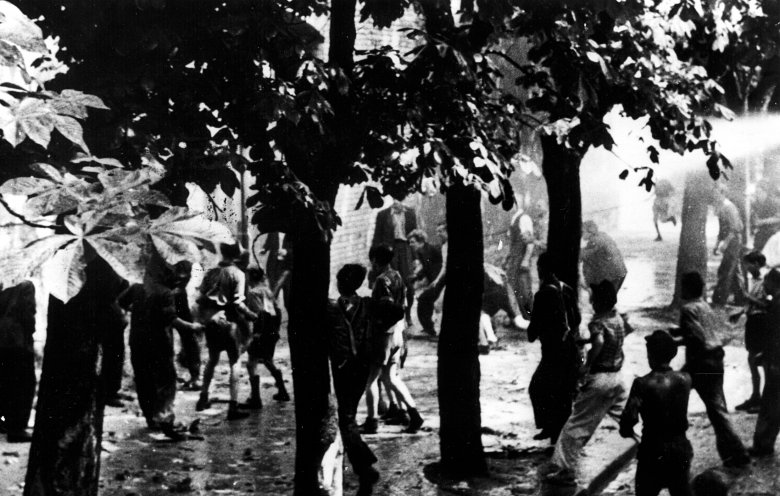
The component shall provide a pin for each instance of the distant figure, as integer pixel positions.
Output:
(756, 326)
(393, 226)
(17, 360)
(730, 243)
(226, 317)
(661, 399)
(348, 335)
(602, 391)
(764, 214)
(189, 355)
(554, 321)
(663, 210)
(768, 424)
(431, 260)
(704, 361)
(518, 260)
(540, 218)
(386, 338)
(265, 335)
(601, 258)
(153, 308)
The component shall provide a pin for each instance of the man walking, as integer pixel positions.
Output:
(393, 226)
(430, 259)
(704, 361)
(730, 244)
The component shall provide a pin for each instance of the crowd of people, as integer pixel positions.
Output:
(577, 383)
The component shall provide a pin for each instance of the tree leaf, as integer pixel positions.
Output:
(191, 226)
(70, 129)
(26, 186)
(20, 265)
(174, 249)
(65, 273)
(128, 257)
(374, 197)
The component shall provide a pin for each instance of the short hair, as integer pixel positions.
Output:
(418, 235)
(604, 296)
(544, 262)
(381, 254)
(255, 274)
(661, 346)
(590, 227)
(230, 251)
(183, 266)
(692, 283)
(755, 257)
(772, 279)
(350, 277)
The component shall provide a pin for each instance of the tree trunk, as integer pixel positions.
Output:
(65, 452)
(692, 253)
(561, 168)
(315, 410)
(458, 365)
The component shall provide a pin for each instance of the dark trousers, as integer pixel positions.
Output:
(17, 387)
(155, 375)
(189, 355)
(729, 273)
(709, 387)
(349, 381)
(665, 464)
(113, 360)
(520, 282)
(768, 423)
(425, 303)
(552, 391)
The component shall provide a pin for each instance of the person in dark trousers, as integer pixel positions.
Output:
(554, 322)
(227, 318)
(430, 258)
(730, 244)
(153, 309)
(189, 354)
(17, 360)
(756, 325)
(392, 228)
(704, 361)
(768, 423)
(348, 334)
(386, 340)
(429, 295)
(765, 214)
(265, 335)
(661, 399)
(498, 295)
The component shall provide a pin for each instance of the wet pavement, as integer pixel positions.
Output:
(255, 455)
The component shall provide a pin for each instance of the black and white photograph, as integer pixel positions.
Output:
(389, 247)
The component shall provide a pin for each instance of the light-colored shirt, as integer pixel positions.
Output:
(399, 224)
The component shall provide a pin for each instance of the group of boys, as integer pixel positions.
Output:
(659, 398)
(235, 313)
(367, 347)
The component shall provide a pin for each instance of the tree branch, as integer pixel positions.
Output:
(23, 218)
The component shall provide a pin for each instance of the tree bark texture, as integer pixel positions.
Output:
(65, 452)
(315, 411)
(458, 366)
(692, 253)
(561, 169)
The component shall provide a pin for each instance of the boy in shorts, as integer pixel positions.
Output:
(661, 399)
(386, 326)
(226, 316)
(265, 334)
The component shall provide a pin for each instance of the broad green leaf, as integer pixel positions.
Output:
(127, 257)
(83, 99)
(109, 162)
(19, 265)
(65, 274)
(18, 29)
(31, 117)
